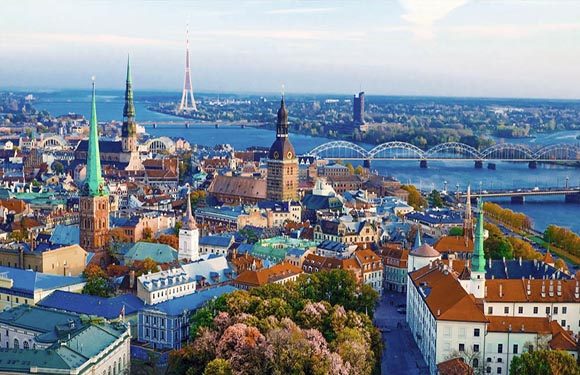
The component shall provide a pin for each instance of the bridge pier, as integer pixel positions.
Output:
(423, 164)
(520, 199)
(533, 164)
(187, 125)
(572, 198)
(491, 166)
(367, 163)
(478, 164)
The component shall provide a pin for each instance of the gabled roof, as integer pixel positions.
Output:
(268, 275)
(444, 295)
(108, 308)
(191, 302)
(65, 235)
(218, 241)
(28, 282)
(160, 253)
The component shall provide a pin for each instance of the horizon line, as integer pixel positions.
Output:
(275, 93)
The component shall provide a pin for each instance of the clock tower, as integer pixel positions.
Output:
(282, 180)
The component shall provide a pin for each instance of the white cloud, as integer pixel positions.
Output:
(23, 39)
(508, 30)
(301, 10)
(423, 14)
(287, 34)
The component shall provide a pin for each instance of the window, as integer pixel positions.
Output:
(488, 370)
(475, 347)
(490, 310)
(16, 344)
(499, 370)
(461, 347)
(488, 359)
(563, 323)
(506, 310)
(535, 309)
(500, 348)
(476, 332)
(25, 344)
(499, 360)
(475, 363)
(555, 310)
(520, 310)
(515, 348)
(548, 310)
(564, 309)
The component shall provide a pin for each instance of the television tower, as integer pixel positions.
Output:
(187, 100)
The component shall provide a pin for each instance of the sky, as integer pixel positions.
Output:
(485, 48)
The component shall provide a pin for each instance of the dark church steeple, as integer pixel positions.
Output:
(282, 121)
(129, 129)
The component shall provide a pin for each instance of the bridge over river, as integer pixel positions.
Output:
(450, 151)
(571, 194)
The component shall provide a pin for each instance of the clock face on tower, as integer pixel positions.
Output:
(276, 155)
(289, 155)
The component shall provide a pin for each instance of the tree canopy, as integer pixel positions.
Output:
(315, 325)
(544, 362)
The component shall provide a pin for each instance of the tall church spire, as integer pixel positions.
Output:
(468, 218)
(478, 259)
(129, 128)
(188, 219)
(129, 110)
(94, 183)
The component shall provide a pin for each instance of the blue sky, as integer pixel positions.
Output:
(511, 48)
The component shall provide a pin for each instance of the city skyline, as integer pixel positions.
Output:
(452, 48)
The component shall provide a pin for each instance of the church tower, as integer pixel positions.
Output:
(188, 235)
(478, 258)
(129, 129)
(94, 199)
(282, 180)
(468, 219)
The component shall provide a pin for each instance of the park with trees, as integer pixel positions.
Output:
(320, 324)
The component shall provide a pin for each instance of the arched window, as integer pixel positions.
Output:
(25, 344)
(475, 363)
(115, 368)
(16, 344)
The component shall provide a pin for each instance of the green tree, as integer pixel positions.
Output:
(415, 198)
(218, 366)
(57, 167)
(435, 199)
(350, 168)
(456, 231)
(98, 286)
(497, 246)
(544, 362)
(359, 170)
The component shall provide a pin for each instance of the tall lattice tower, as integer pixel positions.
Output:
(187, 100)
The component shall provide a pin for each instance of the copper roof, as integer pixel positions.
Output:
(425, 251)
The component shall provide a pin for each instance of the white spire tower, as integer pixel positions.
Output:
(187, 100)
(188, 235)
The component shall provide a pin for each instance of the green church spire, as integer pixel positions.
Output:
(478, 259)
(129, 110)
(94, 183)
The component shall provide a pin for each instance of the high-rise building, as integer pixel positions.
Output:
(358, 109)
(282, 180)
(94, 199)
(188, 235)
(187, 100)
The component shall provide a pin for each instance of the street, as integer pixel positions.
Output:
(400, 355)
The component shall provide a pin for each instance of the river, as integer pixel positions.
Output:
(542, 210)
